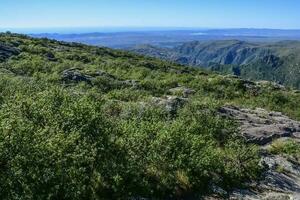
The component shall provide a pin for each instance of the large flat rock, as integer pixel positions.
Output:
(260, 126)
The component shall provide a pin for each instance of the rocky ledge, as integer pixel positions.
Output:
(281, 177)
(260, 126)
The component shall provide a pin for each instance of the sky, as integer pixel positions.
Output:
(280, 14)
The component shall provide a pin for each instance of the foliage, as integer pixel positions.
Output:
(99, 135)
(288, 147)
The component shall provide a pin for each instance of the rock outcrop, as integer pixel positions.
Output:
(76, 75)
(281, 177)
(170, 103)
(260, 126)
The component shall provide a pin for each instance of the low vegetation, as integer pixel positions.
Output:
(80, 122)
(287, 147)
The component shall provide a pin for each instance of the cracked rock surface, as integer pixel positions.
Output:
(260, 126)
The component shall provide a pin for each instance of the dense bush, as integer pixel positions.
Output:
(55, 145)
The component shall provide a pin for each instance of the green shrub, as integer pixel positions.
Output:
(56, 146)
(288, 147)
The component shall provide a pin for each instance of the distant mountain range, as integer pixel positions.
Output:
(276, 61)
(168, 37)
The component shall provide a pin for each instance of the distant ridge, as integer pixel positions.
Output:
(166, 37)
(278, 61)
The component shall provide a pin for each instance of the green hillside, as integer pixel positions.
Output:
(278, 61)
(83, 122)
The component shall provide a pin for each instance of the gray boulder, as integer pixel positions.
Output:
(170, 103)
(260, 126)
(75, 75)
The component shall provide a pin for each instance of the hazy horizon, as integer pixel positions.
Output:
(118, 29)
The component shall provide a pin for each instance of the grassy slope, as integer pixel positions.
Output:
(105, 139)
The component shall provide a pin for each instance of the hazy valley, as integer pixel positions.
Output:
(272, 61)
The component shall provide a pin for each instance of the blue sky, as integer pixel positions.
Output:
(150, 13)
